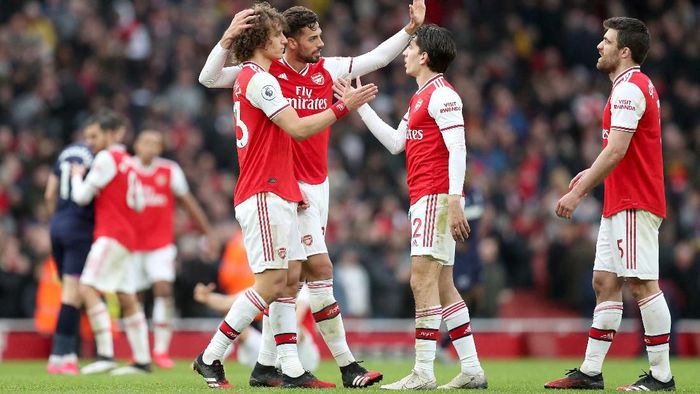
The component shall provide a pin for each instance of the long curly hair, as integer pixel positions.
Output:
(245, 44)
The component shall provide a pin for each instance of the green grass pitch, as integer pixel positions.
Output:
(516, 376)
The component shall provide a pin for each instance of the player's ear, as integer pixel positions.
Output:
(292, 43)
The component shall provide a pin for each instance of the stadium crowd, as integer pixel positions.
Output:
(533, 101)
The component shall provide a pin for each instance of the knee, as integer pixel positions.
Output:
(601, 286)
(421, 283)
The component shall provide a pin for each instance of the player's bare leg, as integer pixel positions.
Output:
(163, 312)
(318, 271)
(657, 331)
(456, 316)
(63, 359)
(101, 325)
(137, 334)
(425, 274)
(606, 321)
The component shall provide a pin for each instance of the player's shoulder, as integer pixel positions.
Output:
(78, 150)
(162, 162)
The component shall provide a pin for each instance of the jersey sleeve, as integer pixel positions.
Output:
(178, 182)
(338, 67)
(264, 92)
(102, 171)
(627, 106)
(446, 108)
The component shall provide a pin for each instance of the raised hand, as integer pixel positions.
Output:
(241, 21)
(416, 14)
(354, 98)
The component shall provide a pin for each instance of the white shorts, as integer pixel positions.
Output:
(270, 231)
(430, 230)
(628, 244)
(152, 266)
(108, 267)
(313, 220)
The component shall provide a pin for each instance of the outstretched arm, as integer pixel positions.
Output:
(393, 139)
(385, 52)
(214, 74)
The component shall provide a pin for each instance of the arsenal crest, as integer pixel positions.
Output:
(160, 180)
(282, 252)
(418, 104)
(318, 78)
(308, 240)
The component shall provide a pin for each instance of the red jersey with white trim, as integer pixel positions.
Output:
(433, 109)
(265, 154)
(309, 92)
(638, 180)
(114, 217)
(162, 182)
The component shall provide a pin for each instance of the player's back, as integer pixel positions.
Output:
(115, 214)
(427, 157)
(264, 150)
(71, 219)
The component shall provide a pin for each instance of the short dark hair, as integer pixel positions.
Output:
(107, 119)
(438, 43)
(631, 33)
(245, 44)
(297, 18)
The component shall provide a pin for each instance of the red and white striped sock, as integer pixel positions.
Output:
(137, 334)
(427, 332)
(329, 321)
(657, 333)
(606, 321)
(283, 320)
(456, 318)
(101, 325)
(241, 314)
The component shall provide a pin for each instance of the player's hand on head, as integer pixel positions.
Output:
(78, 169)
(459, 227)
(416, 14)
(241, 21)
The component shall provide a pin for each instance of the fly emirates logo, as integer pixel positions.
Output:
(303, 100)
(153, 198)
(416, 135)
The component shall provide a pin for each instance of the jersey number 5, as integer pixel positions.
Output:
(238, 124)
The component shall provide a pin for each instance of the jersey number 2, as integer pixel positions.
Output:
(238, 124)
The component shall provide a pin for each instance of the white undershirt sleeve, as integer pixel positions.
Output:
(214, 74)
(383, 54)
(178, 182)
(101, 173)
(446, 108)
(627, 106)
(264, 92)
(392, 139)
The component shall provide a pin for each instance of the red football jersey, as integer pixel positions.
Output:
(265, 154)
(310, 91)
(162, 182)
(638, 180)
(427, 157)
(114, 218)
